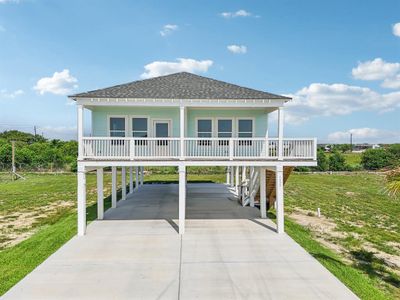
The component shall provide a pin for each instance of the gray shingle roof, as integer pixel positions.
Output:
(182, 85)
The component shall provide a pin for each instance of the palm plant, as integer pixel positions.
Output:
(393, 183)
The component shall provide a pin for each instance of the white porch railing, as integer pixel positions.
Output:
(114, 148)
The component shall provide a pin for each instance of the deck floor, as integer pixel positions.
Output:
(136, 253)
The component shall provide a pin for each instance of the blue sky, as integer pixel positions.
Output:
(340, 60)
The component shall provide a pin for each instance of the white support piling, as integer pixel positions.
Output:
(113, 187)
(100, 194)
(232, 169)
(182, 198)
(251, 186)
(136, 178)
(123, 183)
(81, 202)
(263, 194)
(141, 175)
(130, 180)
(237, 179)
(227, 175)
(279, 200)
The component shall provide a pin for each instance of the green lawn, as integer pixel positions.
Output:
(365, 222)
(359, 221)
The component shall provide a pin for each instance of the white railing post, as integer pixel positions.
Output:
(315, 148)
(280, 133)
(131, 149)
(80, 131)
(231, 149)
(182, 132)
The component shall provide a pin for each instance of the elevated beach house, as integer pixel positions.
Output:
(186, 120)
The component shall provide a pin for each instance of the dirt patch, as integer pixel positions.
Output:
(320, 225)
(20, 226)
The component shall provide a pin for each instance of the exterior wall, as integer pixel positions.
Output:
(101, 114)
(100, 118)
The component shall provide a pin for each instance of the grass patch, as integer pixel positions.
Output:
(366, 220)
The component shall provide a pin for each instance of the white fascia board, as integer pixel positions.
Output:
(177, 102)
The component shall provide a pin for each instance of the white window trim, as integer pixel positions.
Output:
(141, 117)
(208, 119)
(225, 118)
(153, 121)
(253, 119)
(117, 116)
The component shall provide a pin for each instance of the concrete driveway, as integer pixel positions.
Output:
(136, 253)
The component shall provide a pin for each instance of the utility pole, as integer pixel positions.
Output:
(351, 142)
(34, 130)
(14, 174)
(13, 160)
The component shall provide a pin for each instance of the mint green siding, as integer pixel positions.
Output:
(100, 118)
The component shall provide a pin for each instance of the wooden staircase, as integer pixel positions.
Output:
(270, 189)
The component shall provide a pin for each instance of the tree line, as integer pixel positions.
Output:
(36, 153)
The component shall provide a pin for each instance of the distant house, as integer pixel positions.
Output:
(187, 120)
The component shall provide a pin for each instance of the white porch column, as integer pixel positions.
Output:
(182, 198)
(80, 131)
(130, 180)
(182, 131)
(279, 200)
(100, 195)
(232, 176)
(251, 186)
(136, 178)
(227, 175)
(123, 183)
(280, 133)
(141, 175)
(263, 194)
(81, 201)
(237, 179)
(113, 187)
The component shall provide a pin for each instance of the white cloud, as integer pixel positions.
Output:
(363, 135)
(159, 68)
(321, 99)
(376, 69)
(237, 49)
(168, 29)
(10, 95)
(396, 29)
(61, 83)
(392, 83)
(239, 13)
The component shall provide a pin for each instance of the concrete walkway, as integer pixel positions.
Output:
(136, 253)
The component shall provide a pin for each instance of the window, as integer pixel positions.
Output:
(140, 130)
(224, 131)
(139, 127)
(117, 126)
(204, 130)
(245, 130)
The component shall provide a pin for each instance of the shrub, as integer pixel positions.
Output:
(337, 162)
(374, 159)
(322, 161)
